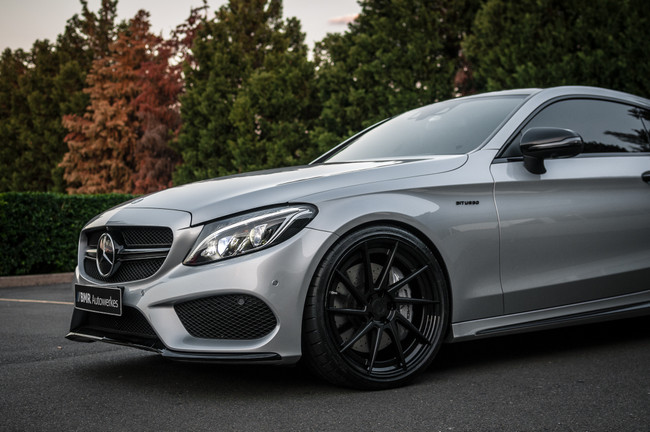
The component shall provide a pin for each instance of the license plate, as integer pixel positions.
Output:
(98, 299)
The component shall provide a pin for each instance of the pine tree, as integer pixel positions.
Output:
(41, 86)
(121, 143)
(241, 111)
(12, 108)
(275, 111)
(102, 143)
(397, 55)
(542, 43)
(157, 106)
(40, 139)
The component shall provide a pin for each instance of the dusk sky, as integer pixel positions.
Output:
(24, 21)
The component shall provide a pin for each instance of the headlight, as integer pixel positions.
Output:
(248, 233)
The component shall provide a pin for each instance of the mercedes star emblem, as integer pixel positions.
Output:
(106, 255)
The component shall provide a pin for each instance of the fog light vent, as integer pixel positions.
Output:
(231, 316)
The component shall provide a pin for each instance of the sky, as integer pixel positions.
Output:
(24, 21)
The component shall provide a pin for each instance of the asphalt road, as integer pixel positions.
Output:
(588, 378)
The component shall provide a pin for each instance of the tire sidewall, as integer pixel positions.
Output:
(320, 348)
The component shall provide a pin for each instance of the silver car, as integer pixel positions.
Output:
(474, 217)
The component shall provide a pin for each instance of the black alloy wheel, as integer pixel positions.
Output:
(376, 311)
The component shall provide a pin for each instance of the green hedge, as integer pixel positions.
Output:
(39, 231)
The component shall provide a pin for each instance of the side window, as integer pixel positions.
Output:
(605, 127)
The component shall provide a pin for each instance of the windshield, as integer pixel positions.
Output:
(456, 126)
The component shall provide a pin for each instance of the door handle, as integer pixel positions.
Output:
(646, 176)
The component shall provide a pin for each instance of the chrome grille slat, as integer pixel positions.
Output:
(139, 254)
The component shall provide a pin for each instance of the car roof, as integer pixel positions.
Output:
(568, 91)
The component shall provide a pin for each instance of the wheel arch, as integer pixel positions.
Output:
(417, 233)
(366, 222)
(317, 347)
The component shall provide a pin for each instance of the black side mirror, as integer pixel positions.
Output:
(542, 143)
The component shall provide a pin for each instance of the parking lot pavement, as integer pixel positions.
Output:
(588, 378)
(35, 280)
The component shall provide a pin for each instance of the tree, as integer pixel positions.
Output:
(158, 120)
(12, 108)
(102, 142)
(86, 37)
(157, 106)
(249, 102)
(275, 111)
(41, 132)
(41, 86)
(397, 55)
(99, 29)
(31, 122)
(541, 43)
(121, 143)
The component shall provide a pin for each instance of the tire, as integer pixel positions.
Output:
(376, 311)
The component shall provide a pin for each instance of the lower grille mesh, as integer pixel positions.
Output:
(130, 323)
(232, 316)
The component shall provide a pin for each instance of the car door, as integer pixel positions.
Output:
(580, 231)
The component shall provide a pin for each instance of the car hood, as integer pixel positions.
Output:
(216, 198)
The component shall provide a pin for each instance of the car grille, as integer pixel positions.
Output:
(142, 252)
(232, 316)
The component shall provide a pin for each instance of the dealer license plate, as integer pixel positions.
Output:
(98, 299)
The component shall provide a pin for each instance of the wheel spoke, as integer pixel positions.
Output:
(393, 333)
(346, 311)
(375, 348)
(383, 277)
(410, 300)
(367, 267)
(400, 283)
(410, 327)
(358, 335)
(351, 288)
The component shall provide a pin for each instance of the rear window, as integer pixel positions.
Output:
(456, 126)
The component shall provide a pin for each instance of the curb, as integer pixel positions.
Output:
(36, 280)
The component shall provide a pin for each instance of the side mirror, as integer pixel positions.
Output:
(542, 143)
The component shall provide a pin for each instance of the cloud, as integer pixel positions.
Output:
(342, 20)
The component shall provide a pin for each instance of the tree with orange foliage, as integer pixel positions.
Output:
(157, 107)
(121, 142)
(101, 156)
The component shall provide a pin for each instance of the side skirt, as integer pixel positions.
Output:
(626, 306)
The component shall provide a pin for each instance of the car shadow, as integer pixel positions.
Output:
(210, 380)
(559, 341)
(142, 370)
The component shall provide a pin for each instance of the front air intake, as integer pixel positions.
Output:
(130, 327)
(231, 316)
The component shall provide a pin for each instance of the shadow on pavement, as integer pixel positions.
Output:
(150, 371)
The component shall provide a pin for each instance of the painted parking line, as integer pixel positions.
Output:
(36, 301)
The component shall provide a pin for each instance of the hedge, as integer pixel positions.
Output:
(39, 231)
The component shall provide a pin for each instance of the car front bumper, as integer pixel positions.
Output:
(274, 280)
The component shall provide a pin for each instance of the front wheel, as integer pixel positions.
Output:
(376, 310)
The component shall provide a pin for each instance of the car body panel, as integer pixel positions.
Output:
(459, 221)
(212, 199)
(520, 251)
(549, 219)
(276, 274)
(625, 306)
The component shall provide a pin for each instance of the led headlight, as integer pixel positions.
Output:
(248, 233)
